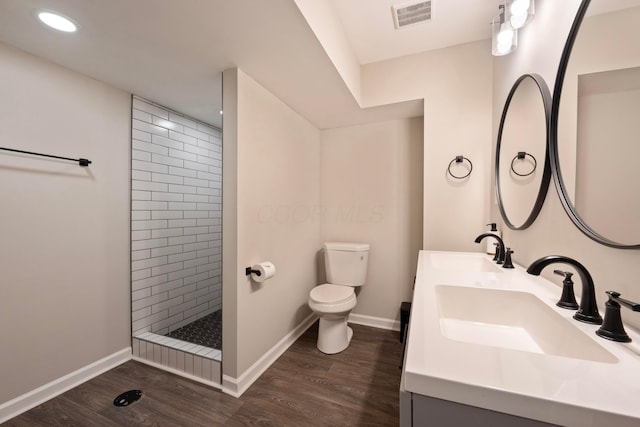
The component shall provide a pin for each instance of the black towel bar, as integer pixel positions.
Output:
(81, 162)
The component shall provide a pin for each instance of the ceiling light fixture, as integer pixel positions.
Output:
(57, 21)
(504, 38)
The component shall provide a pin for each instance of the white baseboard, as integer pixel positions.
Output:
(237, 386)
(374, 322)
(177, 372)
(50, 390)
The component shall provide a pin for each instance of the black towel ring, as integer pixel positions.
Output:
(460, 159)
(521, 156)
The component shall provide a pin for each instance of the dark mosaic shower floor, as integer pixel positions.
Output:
(206, 331)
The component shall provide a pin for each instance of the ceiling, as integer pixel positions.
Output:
(370, 29)
(173, 52)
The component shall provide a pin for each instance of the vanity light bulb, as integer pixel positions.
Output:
(503, 47)
(520, 7)
(505, 37)
(520, 13)
(518, 21)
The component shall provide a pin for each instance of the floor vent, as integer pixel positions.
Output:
(127, 398)
(407, 14)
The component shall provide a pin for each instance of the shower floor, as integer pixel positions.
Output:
(206, 331)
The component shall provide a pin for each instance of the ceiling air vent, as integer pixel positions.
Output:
(411, 13)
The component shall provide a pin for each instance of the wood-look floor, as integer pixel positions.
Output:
(358, 387)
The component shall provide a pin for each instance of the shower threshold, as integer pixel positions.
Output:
(184, 346)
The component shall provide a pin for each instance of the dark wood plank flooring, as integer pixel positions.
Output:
(358, 387)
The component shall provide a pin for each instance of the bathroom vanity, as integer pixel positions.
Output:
(487, 346)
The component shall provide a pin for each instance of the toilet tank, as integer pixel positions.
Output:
(346, 263)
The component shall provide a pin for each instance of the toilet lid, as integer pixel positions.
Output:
(330, 294)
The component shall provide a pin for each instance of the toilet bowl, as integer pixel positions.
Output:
(346, 265)
(333, 303)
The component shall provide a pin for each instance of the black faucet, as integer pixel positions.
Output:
(588, 311)
(612, 327)
(499, 250)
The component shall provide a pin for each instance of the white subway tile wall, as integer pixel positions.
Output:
(176, 228)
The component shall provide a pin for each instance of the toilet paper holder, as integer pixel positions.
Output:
(261, 272)
(248, 271)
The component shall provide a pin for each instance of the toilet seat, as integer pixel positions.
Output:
(331, 294)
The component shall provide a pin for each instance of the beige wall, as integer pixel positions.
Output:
(277, 183)
(322, 18)
(456, 86)
(64, 291)
(230, 266)
(371, 192)
(539, 51)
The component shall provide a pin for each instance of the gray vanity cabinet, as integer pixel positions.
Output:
(417, 410)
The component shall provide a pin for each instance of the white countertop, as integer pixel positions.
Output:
(569, 391)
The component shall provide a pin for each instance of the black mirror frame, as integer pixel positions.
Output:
(553, 138)
(546, 173)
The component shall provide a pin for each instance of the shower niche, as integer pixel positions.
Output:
(176, 241)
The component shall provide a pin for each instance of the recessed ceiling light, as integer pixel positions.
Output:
(58, 22)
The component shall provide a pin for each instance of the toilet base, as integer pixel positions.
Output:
(334, 335)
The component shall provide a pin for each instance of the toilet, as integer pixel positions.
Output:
(346, 268)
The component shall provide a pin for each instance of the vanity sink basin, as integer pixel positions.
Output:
(463, 262)
(513, 320)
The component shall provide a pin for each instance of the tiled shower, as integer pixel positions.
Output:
(176, 233)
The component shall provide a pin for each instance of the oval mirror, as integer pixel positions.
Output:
(595, 123)
(522, 168)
